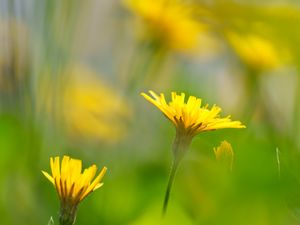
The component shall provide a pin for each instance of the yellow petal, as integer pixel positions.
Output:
(97, 180)
(48, 177)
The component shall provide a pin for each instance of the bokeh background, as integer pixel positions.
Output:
(71, 74)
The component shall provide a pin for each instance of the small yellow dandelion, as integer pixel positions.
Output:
(189, 119)
(72, 185)
(224, 154)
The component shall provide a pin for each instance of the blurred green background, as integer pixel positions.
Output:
(71, 74)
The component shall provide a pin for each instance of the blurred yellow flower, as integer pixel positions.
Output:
(224, 154)
(90, 109)
(72, 185)
(190, 118)
(169, 22)
(256, 51)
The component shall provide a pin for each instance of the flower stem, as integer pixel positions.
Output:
(180, 146)
(67, 214)
(170, 184)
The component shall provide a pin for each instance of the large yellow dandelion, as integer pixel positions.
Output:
(190, 118)
(72, 185)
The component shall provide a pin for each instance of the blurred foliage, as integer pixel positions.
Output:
(71, 73)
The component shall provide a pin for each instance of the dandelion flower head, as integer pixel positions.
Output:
(190, 118)
(73, 185)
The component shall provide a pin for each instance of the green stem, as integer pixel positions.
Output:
(180, 146)
(145, 63)
(170, 184)
(67, 214)
(252, 93)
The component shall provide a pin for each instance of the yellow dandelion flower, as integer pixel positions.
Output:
(72, 185)
(224, 154)
(189, 119)
(169, 22)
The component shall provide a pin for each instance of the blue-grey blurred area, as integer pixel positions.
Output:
(71, 74)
